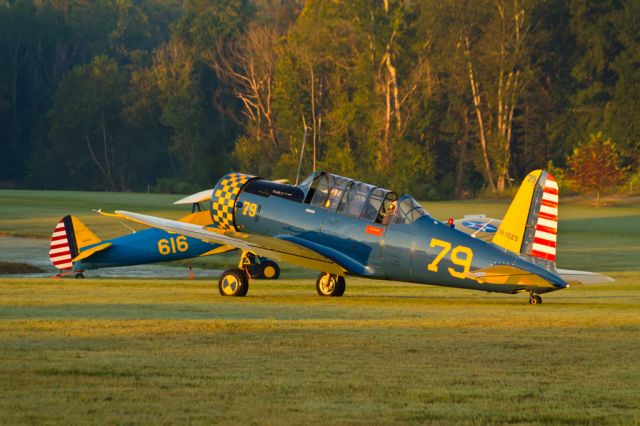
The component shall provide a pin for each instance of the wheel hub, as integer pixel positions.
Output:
(229, 284)
(327, 283)
(269, 272)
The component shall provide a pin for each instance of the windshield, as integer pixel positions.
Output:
(305, 185)
(329, 191)
(408, 211)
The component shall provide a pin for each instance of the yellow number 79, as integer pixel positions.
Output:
(250, 209)
(460, 256)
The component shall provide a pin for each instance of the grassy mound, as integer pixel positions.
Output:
(7, 268)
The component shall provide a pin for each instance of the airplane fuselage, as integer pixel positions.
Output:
(424, 251)
(142, 247)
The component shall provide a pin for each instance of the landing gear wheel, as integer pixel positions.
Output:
(342, 286)
(233, 282)
(534, 299)
(79, 275)
(269, 270)
(330, 285)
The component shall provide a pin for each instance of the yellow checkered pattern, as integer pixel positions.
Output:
(224, 199)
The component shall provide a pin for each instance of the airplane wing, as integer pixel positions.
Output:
(196, 198)
(285, 250)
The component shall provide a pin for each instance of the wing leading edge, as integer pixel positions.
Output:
(272, 247)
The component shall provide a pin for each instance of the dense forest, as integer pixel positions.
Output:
(437, 98)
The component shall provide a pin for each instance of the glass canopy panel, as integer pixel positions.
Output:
(321, 192)
(408, 211)
(357, 198)
(373, 204)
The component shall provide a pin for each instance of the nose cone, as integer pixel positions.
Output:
(223, 199)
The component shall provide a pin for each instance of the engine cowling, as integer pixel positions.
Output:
(224, 198)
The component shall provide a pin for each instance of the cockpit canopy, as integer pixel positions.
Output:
(359, 200)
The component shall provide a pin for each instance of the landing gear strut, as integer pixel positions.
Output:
(235, 282)
(258, 268)
(330, 285)
(534, 299)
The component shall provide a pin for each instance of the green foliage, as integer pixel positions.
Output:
(87, 133)
(565, 185)
(634, 183)
(594, 165)
(383, 87)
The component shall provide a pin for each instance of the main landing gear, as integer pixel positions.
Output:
(330, 285)
(235, 282)
(258, 268)
(534, 299)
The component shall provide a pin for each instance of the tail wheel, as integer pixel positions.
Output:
(269, 270)
(233, 282)
(330, 285)
(535, 299)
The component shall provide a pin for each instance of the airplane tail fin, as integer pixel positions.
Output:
(69, 237)
(530, 226)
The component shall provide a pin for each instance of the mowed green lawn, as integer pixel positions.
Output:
(163, 351)
(36, 213)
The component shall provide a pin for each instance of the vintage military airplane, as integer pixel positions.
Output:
(340, 227)
(75, 248)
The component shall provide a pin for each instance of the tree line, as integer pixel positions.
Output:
(436, 98)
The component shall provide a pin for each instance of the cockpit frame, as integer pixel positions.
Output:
(359, 200)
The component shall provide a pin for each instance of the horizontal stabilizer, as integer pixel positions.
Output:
(478, 226)
(196, 198)
(90, 252)
(583, 277)
(504, 274)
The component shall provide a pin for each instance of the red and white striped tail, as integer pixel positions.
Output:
(545, 237)
(60, 249)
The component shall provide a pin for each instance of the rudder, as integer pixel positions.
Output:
(531, 224)
(69, 236)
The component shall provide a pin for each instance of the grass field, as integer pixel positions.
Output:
(163, 351)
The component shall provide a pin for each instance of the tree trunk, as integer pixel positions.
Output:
(462, 154)
(313, 114)
(477, 106)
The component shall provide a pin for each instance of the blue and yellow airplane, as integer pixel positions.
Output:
(75, 248)
(341, 227)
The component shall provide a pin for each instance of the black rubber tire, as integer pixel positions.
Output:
(269, 270)
(245, 288)
(234, 283)
(535, 299)
(79, 275)
(341, 286)
(330, 285)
